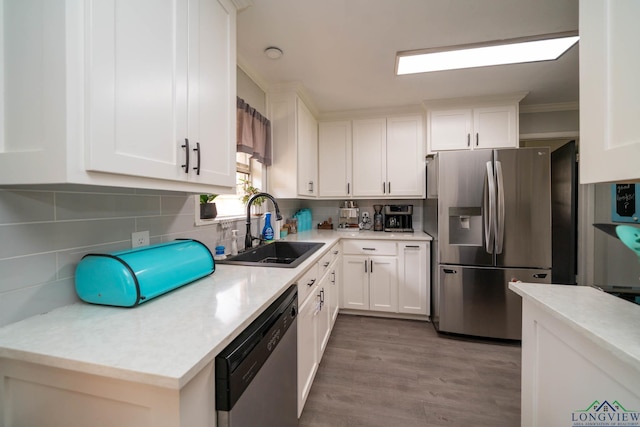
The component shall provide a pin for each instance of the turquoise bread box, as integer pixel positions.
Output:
(131, 277)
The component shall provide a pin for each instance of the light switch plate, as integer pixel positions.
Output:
(140, 238)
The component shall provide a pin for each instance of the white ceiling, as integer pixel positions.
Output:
(343, 51)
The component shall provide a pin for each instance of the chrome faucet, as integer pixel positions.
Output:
(248, 239)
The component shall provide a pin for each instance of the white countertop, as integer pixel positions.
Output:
(608, 321)
(167, 340)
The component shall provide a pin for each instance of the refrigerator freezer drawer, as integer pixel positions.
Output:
(476, 301)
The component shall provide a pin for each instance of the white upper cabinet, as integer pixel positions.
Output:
(473, 124)
(388, 157)
(334, 159)
(119, 92)
(369, 157)
(307, 152)
(294, 170)
(405, 157)
(609, 91)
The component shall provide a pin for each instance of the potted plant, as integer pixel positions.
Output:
(249, 190)
(207, 206)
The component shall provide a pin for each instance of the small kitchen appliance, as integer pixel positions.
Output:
(378, 223)
(349, 216)
(130, 277)
(398, 218)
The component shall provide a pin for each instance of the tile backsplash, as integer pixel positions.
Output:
(46, 230)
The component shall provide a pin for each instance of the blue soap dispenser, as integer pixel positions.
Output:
(267, 231)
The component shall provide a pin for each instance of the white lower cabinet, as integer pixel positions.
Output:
(318, 290)
(307, 346)
(64, 397)
(394, 280)
(413, 286)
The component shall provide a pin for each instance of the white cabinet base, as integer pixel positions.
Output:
(564, 374)
(36, 395)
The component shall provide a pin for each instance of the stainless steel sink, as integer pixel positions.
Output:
(276, 254)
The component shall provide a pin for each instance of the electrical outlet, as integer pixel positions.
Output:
(365, 214)
(141, 238)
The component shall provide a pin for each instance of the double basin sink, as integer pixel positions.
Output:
(280, 253)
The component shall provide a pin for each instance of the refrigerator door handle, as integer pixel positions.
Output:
(489, 208)
(500, 209)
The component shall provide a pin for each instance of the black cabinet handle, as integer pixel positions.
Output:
(186, 151)
(389, 185)
(477, 138)
(326, 264)
(311, 282)
(197, 150)
(348, 188)
(411, 246)
(449, 271)
(368, 249)
(365, 266)
(468, 140)
(384, 188)
(372, 266)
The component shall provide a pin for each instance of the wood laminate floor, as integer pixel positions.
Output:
(400, 373)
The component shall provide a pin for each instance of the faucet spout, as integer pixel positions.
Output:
(248, 239)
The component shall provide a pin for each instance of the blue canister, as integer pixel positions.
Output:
(131, 277)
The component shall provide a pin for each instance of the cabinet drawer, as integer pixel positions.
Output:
(307, 281)
(324, 265)
(369, 247)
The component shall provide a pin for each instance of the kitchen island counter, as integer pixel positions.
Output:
(580, 346)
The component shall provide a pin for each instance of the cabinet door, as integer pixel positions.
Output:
(369, 157)
(413, 286)
(609, 91)
(405, 156)
(495, 127)
(212, 91)
(323, 324)
(334, 159)
(307, 347)
(355, 289)
(383, 284)
(136, 99)
(334, 296)
(32, 106)
(307, 151)
(450, 129)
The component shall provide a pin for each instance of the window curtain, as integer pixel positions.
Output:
(253, 133)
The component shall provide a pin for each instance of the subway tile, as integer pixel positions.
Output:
(180, 205)
(27, 239)
(22, 303)
(25, 206)
(27, 271)
(72, 206)
(68, 260)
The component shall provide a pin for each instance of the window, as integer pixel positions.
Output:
(231, 205)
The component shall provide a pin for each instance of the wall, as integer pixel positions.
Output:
(614, 263)
(45, 231)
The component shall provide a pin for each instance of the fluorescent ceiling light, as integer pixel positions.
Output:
(542, 48)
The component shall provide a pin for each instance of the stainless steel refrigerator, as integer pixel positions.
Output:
(489, 212)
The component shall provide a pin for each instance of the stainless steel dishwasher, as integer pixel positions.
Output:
(256, 375)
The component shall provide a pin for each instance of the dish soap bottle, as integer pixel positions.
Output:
(234, 242)
(267, 231)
